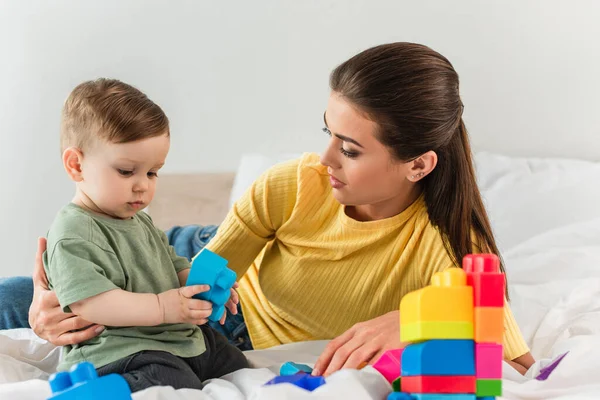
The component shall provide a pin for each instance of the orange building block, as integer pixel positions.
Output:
(489, 324)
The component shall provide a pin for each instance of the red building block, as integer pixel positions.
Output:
(483, 274)
(438, 384)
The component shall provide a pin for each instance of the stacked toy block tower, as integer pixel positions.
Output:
(455, 329)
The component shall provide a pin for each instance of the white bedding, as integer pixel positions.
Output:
(546, 215)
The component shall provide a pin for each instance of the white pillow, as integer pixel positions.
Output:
(250, 168)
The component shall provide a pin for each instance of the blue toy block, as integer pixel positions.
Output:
(439, 396)
(211, 269)
(291, 368)
(399, 396)
(302, 380)
(82, 383)
(486, 398)
(440, 358)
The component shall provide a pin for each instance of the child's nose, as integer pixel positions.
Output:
(141, 185)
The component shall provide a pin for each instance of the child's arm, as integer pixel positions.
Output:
(121, 308)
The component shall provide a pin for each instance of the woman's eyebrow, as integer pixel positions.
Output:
(340, 136)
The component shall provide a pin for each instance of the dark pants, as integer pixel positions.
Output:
(158, 368)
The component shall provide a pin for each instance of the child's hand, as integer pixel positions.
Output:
(232, 303)
(178, 306)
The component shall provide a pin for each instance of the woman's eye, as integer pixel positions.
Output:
(349, 154)
(125, 172)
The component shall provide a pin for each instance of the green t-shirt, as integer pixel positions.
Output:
(89, 254)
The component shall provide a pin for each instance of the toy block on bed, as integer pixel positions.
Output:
(292, 368)
(388, 364)
(82, 382)
(454, 330)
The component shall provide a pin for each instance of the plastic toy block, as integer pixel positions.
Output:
(438, 384)
(486, 398)
(397, 384)
(489, 387)
(483, 274)
(448, 298)
(429, 330)
(443, 310)
(82, 382)
(481, 263)
(291, 368)
(488, 361)
(211, 269)
(399, 396)
(439, 357)
(437, 396)
(388, 364)
(489, 324)
(302, 380)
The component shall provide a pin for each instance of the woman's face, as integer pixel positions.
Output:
(362, 171)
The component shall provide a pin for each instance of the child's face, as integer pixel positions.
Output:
(119, 179)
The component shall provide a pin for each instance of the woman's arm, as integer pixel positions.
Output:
(47, 318)
(256, 216)
(523, 363)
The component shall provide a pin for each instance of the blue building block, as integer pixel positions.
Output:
(82, 383)
(291, 368)
(439, 357)
(438, 396)
(211, 269)
(302, 380)
(399, 396)
(486, 398)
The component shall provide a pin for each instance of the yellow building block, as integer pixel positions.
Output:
(428, 330)
(489, 324)
(447, 299)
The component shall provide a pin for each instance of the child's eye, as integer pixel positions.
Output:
(153, 174)
(125, 172)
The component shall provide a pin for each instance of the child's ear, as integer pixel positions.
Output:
(72, 159)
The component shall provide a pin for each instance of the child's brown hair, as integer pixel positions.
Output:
(111, 110)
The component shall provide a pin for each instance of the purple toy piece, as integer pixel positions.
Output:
(547, 370)
(302, 380)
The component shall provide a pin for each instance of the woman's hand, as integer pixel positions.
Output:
(365, 342)
(46, 317)
(232, 303)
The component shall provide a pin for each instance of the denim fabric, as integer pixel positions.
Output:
(16, 294)
(188, 241)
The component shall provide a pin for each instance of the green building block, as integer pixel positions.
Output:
(489, 387)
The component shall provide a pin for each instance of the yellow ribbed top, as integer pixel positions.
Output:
(311, 272)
